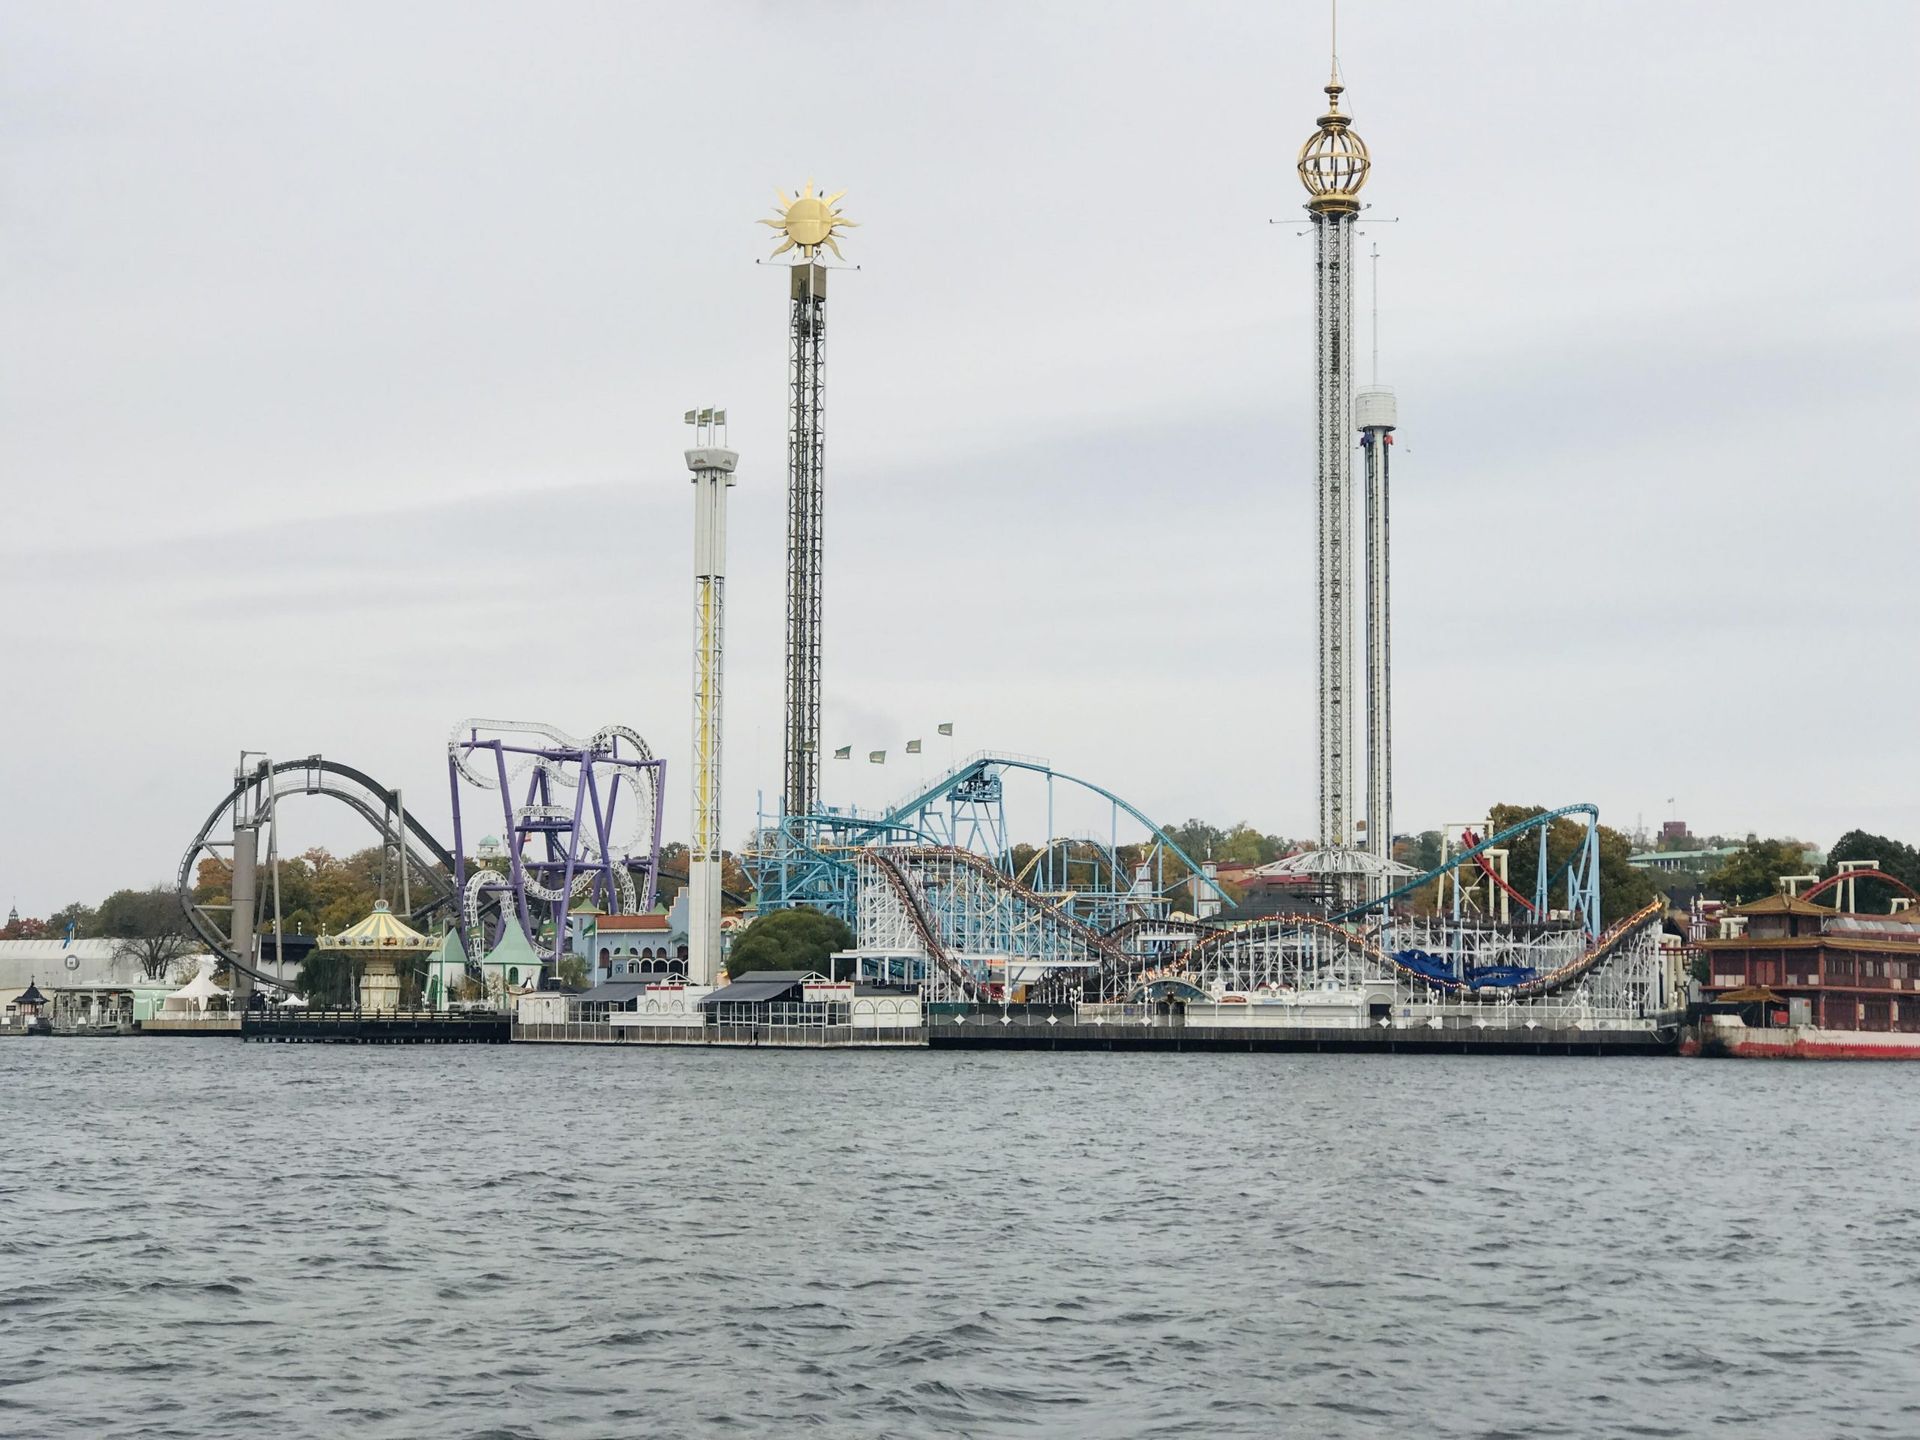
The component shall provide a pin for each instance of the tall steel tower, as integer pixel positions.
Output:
(1376, 413)
(712, 466)
(808, 223)
(1333, 166)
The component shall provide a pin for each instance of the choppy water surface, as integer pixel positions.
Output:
(205, 1238)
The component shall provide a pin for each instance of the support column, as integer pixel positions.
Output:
(713, 469)
(1376, 414)
(244, 921)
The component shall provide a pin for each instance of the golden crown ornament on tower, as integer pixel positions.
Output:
(1333, 163)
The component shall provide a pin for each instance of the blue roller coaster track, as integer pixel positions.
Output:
(810, 859)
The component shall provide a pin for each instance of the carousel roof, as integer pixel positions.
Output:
(380, 933)
(30, 996)
(1336, 860)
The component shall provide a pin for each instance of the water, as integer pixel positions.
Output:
(205, 1238)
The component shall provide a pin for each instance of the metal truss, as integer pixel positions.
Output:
(1619, 977)
(560, 802)
(956, 923)
(1333, 519)
(809, 860)
(805, 473)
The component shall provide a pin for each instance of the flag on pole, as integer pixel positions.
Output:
(913, 747)
(690, 415)
(878, 757)
(947, 728)
(719, 417)
(69, 936)
(845, 752)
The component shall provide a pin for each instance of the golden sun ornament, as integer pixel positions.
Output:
(809, 222)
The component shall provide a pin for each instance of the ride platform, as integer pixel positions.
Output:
(369, 1027)
(986, 1029)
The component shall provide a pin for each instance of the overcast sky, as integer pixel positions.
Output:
(343, 349)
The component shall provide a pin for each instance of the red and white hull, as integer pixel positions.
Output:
(1724, 1035)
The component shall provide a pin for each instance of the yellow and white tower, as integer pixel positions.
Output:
(712, 465)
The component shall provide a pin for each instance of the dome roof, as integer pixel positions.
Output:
(1333, 163)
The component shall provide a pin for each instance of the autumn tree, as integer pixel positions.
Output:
(147, 927)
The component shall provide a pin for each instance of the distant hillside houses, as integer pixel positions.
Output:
(1701, 862)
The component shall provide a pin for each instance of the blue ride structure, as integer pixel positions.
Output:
(814, 859)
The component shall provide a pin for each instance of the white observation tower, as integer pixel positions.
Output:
(712, 465)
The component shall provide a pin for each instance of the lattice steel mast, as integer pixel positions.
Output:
(1333, 166)
(809, 223)
(712, 466)
(805, 441)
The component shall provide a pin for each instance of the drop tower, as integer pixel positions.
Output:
(808, 223)
(1333, 167)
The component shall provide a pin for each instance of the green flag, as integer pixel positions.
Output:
(947, 729)
(845, 752)
(913, 747)
(878, 757)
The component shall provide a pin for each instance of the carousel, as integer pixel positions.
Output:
(380, 944)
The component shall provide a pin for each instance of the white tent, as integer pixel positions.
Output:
(198, 996)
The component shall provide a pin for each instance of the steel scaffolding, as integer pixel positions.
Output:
(805, 473)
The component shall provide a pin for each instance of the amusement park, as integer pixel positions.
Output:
(1006, 900)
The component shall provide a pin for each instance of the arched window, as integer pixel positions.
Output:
(682, 952)
(605, 954)
(513, 975)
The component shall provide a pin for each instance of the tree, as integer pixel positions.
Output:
(675, 862)
(1899, 860)
(81, 917)
(572, 971)
(329, 980)
(147, 927)
(798, 939)
(1241, 845)
(1422, 851)
(1753, 871)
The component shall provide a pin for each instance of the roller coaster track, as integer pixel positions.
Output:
(1600, 951)
(1184, 962)
(1122, 935)
(1575, 970)
(1467, 837)
(998, 879)
(314, 769)
(923, 926)
(1834, 881)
